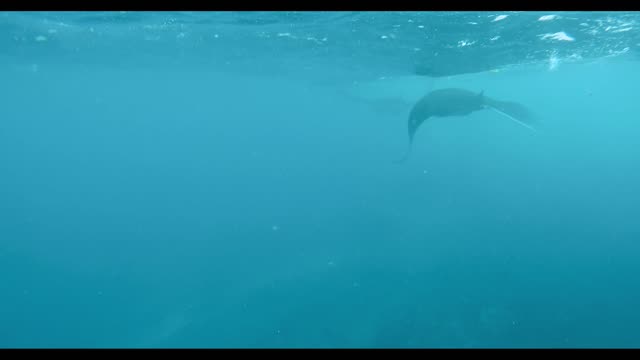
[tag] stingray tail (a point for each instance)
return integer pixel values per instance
(406, 154)
(514, 111)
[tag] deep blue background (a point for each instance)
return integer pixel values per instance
(173, 205)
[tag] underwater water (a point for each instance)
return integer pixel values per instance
(228, 180)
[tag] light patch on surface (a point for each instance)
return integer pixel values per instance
(547, 17)
(574, 57)
(613, 53)
(622, 30)
(554, 61)
(463, 43)
(500, 17)
(495, 38)
(560, 36)
(41, 38)
(316, 40)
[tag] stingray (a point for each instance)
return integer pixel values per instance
(461, 102)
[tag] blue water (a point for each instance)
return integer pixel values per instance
(215, 183)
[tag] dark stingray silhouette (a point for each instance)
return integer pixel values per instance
(461, 102)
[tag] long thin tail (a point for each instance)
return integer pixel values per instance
(513, 111)
(406, 154)
(514, 119)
